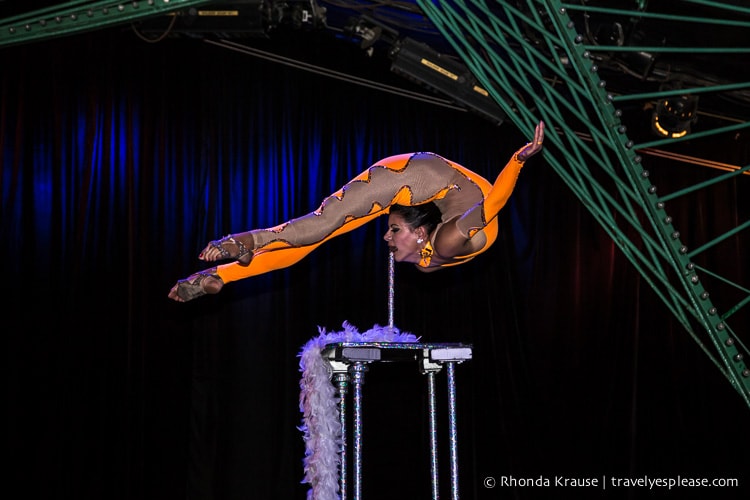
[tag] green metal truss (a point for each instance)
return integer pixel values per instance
(535, 64)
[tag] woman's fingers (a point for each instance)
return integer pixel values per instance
(535, 146)
(539, 133)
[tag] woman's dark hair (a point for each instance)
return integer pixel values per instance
(426, 214)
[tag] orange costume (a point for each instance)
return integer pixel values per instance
(406, 179)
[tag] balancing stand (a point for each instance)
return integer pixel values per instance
(348, 363)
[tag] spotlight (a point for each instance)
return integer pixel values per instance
(674, 116)
(421, 63)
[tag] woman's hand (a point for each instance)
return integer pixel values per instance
(534, 147)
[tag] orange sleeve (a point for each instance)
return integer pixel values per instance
(480, 215)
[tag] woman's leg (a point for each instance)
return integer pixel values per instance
(284, 256)
(409, 179)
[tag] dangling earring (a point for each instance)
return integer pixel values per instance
(420, 240)
(425, 254)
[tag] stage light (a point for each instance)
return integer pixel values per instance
(236, 19)
(419, 62)
(674, 116)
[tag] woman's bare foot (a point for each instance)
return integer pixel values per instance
(239, 247)
(196, 285)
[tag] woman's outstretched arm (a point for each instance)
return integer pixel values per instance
(454, 238)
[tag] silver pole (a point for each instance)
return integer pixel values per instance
(433, 434)
(391, 293)
(453, 428)
(342, 381)
(358, 378)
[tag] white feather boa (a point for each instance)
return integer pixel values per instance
(318, 403)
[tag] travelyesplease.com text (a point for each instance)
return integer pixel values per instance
(611, 481)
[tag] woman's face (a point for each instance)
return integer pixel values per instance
(402, 239)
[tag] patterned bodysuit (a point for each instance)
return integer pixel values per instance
(406, 179)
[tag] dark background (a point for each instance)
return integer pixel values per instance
(120, 159)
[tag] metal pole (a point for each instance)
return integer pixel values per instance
(391, 293)
(433, 434)
(358, 377)
(342, 382)
(451, 367)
